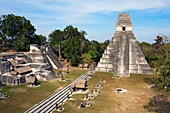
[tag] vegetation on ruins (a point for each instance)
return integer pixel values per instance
(17, 33)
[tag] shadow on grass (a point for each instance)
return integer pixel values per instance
(150, 80)
(158, 104)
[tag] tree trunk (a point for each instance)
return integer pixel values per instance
(59, 51)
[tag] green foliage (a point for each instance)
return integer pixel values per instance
(40, 40)
(95, 56)
(74, 60)
(86, 58)
(55, 38)
(75, 47)
(71, 50)
(18, 33)
(165, 74)
(159, 84)
(158, 56)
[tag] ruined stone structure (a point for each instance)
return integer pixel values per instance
(18, 67)
(123, 56)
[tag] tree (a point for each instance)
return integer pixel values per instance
(75, 47)
(17, 32)
(158, 55)
(2, 42)
(71, 46)
(165, 74)
(40, 40)
(158, 42)
(97, 49)
(91, 56)
(71, 50)
(149, 53)
(71, 32)
(166, 39)
(86, 58)
(55, 39)
(84, 42)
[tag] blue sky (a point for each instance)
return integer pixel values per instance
(97, 17)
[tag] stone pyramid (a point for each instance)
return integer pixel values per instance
(123, 56)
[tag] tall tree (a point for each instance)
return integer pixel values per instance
(18, 30)
(55, 39)
(158, 55)
(84, 42)
(75, 47)
(41, 39)
(71, 46)
(165, 74)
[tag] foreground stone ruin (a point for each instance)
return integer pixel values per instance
(20, 67)
(81, 84)
(123, 56)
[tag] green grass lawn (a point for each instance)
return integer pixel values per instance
(22, 97)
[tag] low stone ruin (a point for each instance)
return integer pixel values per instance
(59, 108)
(32, 80)
(84, 66)
(84, 104)
(34, 48)
(20, 67)
(3, 96)
(79, 85)
(81, 66)
(96, 91)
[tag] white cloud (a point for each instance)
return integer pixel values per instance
(46, 14)
(149, 34)
(76, 11)
(93, 6)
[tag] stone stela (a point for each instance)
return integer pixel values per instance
(123, 56)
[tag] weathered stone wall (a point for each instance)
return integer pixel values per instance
(34, 48)
(36, 57)
(4, 66)
(35, 60)
(12, 80)
(138, 63)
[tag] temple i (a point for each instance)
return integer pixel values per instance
(123, 56)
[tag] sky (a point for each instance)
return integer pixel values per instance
(97, 17)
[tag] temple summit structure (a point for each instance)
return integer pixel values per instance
(123, 56)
